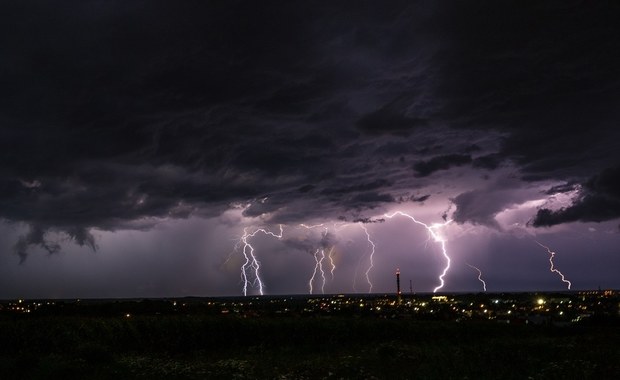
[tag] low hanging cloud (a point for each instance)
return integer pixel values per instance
(36, 237)
(419, 198)
(599, 201)
(310, 243)
(480, 206)
(82, 237)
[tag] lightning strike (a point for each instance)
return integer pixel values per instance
(338, 228)
(438, 239)
(309, 227)
(318, 267)
(552, 268)
(484, 284)
(251, 264)
(372, 254)
(331, 262)
(319, 262)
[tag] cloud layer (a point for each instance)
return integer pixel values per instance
(119, 115)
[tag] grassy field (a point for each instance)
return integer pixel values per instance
(229, 347)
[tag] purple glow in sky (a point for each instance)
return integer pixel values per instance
(139, 140)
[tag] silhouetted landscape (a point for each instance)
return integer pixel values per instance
(448, 336)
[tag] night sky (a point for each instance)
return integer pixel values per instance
(139, 138)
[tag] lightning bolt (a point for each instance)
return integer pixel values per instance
(251, 264)
(372, 254)
(331, 262)
(318, 267)
(309, 227)
(438, 239)
(484, 284)
(319, 262)
(338, 228)
(552, 268)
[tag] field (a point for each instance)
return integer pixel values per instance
(232, 347)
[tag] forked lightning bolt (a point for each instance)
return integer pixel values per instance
(251, 263)
(372, 254)
(552, 268)
(319, 262)
(318, 267)
(484, 284)
(438, 239)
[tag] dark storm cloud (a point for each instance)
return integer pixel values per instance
(124, 112)
(563, 188)
(388, 120)
(490, 161)
(542, 74)
(36, 236)
(368, 220)
(599, 201)
(117, 114)
(426, 168)
(545, 73)
(420, 198)
(82, 237)
(310, 243)
(480, 206)
(303, 245)
(368, 200)
(376, 184)
(306, 188)
(476, 207)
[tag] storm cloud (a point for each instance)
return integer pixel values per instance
(598, 201)
(119, 115)
(426, 168)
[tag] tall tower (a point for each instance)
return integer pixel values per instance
(398, 281)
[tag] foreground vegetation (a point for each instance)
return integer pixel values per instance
(230, 347)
